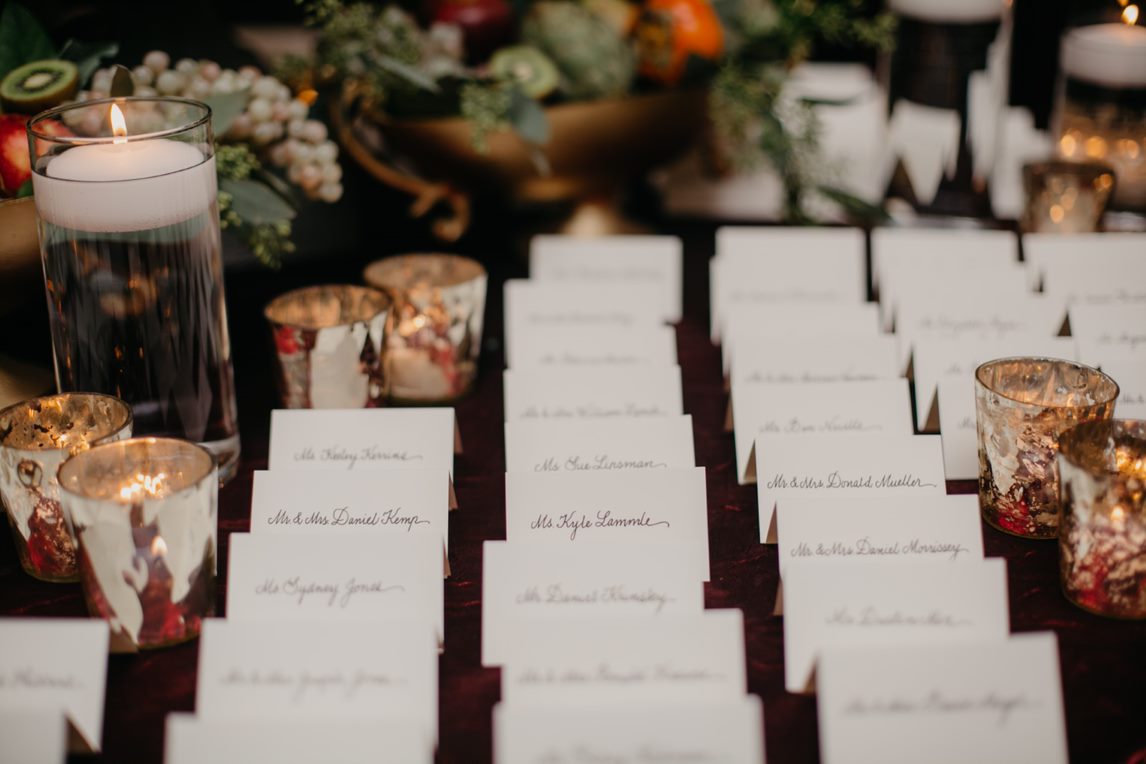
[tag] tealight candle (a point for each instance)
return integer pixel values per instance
(1102, 544)
(1101, 109)
(36, 437)
(435, 330)
(145, 512)
(126, 195)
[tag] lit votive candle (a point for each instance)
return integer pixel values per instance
(436, 326)
(36, 437)
(145, 512)
(1066, 197)
(1101, 112)
(1022, 405)
(328, 345)
(1102, 544)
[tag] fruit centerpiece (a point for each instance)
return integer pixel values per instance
(567, 99)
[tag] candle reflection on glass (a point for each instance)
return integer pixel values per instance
(145, 515)
(1102, 546)
(36, 437)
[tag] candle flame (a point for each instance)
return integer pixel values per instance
(142, 486)
(1130, 15)
(118, 125)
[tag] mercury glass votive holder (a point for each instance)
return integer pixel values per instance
(145, 514)
(1022, 405)
(328, 346)
(1066, 197)
(1102, 541)
(436, 327)
(36, 437)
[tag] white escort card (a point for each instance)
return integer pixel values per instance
(637, 260)
(364, 439)
(936, 359)
(353, 503)
(1130, 374)
(573, 393)
(744, 325)
(596, 348)
(932, 528)
(844, 467)
(34, 736)
(1108, 330)
(881, 406)
(292, 577)
(55, 666)
(831, 604)
(927, 279)
(658, 443)
(730, 733)
(891, 247)
(995, 702)
(523, 584)
(1095, 285)
(957, 424)
(1069, 255)
(318, 670)
(760, 265)
(190, 740)
(694, 660)
(626, 507)
(819, 359)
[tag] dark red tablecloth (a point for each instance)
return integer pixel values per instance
(1103, 662)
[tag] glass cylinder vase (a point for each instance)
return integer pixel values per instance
(125, 194)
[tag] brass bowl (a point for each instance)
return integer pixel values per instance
(594, 148)
(19, 253)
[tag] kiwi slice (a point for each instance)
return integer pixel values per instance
(39, 85)
(534, 71)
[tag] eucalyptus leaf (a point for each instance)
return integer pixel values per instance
(865, 212)
(277, 184)
(22, 39)
(528, 118)
(87, 55)
(122, 85)
(224, 108)
(408, 73)
(25, 189)
(256, 203)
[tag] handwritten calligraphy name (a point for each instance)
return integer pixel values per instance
(597, 462)
(577, 521)
(351, 457)
(301, 590)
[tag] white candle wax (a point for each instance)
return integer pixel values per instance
(1111, 55)
(949, 11)
(130, 186)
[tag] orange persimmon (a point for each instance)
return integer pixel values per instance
(669, 31)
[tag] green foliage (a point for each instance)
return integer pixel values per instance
(594, 60)
(486, 106)
(235, 161)
(22, 39)
(225, 107)
(87, 55)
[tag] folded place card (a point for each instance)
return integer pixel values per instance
(659, 443)
(819, 359)
(694, 659)
(832, 604)
(1108, 330)
(988, 318)
(761, 265)
(191, 740)
(637, 260)
(881, 406)
(292, 577)
(622, 507)
(523, 584)
(890, 247)
(924, 279)
(1096, 285)
(957, 423)
(364, 439)
(1130, 374)
(1068, 255)
(318, 671)
(995, 702)
(745, 325)
(56, 666)
(844, 467)
(392, 502)
(33, 736)
(575, 393)
(922, 529)
(594, 348)
(945, 358)
(730, 733)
